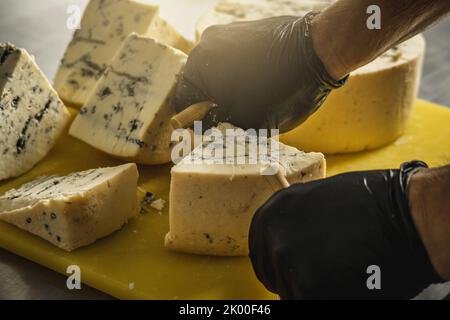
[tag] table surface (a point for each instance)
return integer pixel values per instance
(40, 27)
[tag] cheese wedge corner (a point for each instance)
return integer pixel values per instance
(75, 210)
(32, 117)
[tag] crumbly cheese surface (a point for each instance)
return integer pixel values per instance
(32, 117)
(212, 204)
(74, 210)
(128, 113)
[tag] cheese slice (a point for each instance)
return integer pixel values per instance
(104, 27)
(75, 210)
(32, 117)
(128, 113)
(212, 203)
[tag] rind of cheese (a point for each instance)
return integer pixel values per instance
(228, 11)
(75, 210)
(212, 205)
(371, 110)
(104, 26)
(32, 117)
(128, 113)
(209, 19)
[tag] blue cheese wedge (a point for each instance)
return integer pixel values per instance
(212, 203)
(128, 113)
(74, 210)
(32, 117)
(104, 27)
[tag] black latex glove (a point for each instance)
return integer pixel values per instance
(316, 240)
(261, 74)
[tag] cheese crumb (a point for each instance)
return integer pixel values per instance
(131, 286)
(148, 197)
(158, 204)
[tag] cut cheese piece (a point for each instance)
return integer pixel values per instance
(228, 11)
(32, 117)
(128, 114)
(371, 110)
(212, 204)
(104, 27)
(75, 210)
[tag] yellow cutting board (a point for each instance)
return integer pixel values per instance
(133, 264)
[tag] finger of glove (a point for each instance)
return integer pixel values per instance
(215, 116)
(192, 87)
(294, 110)
(258, 250)
(263, 247)
(187, 94)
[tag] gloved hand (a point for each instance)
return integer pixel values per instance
(261, 74)
(316, 240)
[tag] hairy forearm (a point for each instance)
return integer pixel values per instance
(344, 43)
(429, 191)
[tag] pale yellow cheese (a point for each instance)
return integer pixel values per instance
(211, 18)
(212, 205)
(227, 11)
(75, 210)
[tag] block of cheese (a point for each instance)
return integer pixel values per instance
(104, 27)
(227, 11)
(212, 204)
(32, 117)
(128, 113)
(74, 210)
(371, 110)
